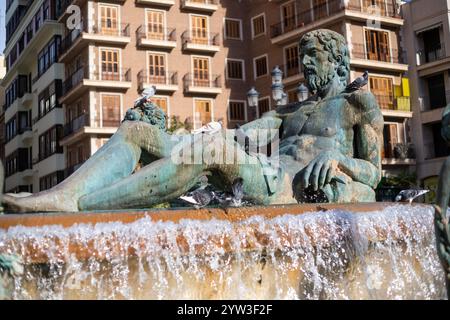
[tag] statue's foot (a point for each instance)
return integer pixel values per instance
(44, 202)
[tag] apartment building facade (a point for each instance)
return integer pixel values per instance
(202, 56)
(427, 37)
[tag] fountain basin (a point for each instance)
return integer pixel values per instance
(364, 251)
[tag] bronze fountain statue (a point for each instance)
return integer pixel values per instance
(329, 149)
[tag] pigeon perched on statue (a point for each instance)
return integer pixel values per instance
(359, 83)
(145, 96)
(237, 194)
(146, 111)
(410, 195)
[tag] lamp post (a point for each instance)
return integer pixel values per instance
(302, 92)
(277, 86)
(253, 97)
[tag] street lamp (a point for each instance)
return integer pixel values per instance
(277, 75)
(253, 97)
(302, 92)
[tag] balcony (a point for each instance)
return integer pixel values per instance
(439, 100)
(164, 81)
(204, 42)
(398, 107)
(207, 84)
(208, 6)
(292, 73)
(162, 3)
(77, 39)
(433, 56)
(83, 80)
(156, 37)
(333, 10)
(26, 134)
(75, 125)
(400, 154)
(68, 171)
(391, 60)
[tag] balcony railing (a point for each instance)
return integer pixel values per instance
(116, 74)
(387, 102)
(434, 53)
(156, 32)
(204, 81)
(76, 124)
(200, 37)
(202, 1)
(116, 30)
(328, 9)
(359, 51)
(158, 77)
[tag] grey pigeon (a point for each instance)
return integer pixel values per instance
(358, 83)
(410, 195)
(235, 199)
(199, 198)
(145, 96)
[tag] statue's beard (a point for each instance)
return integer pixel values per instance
(316, 82)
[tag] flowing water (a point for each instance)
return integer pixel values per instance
(327, 255)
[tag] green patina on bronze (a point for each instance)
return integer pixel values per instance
(441, 223)
(329, 150)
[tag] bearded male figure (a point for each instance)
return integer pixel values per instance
(329, 150)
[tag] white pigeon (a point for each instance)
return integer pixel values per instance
(145, 96)
(410, 195)
(359, 82)
(209, 128)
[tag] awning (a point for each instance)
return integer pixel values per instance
(434, 26)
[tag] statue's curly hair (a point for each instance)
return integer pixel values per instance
(335, 43)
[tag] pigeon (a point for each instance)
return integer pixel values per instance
(410, 195)
(145, 96)
(235, 199)
(209, 128)
(199, 198)
(358, 83)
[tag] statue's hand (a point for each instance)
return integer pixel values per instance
(321, 170)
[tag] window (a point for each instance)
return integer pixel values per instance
(155, 24)
(258, 25)
(109, 20)
(110, 64)
(162, 102)
(288, 14)
(49, 142)
(371, 5)
(48, 55)
(156, 68)
(48, 98)
(291, 56)
(199, 29)
(235, 69)
(260, 65)
(237, 110)
(292, 96)
(320, 9)
(377, 45)
(202, 112)
(233, 29)
(391, 138)
(110, 110)
(51, 180)
(383, 89)
(201, 71)
(264, 106)
(436, 91)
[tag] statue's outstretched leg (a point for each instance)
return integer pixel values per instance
(116, 160)
(165, 180)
